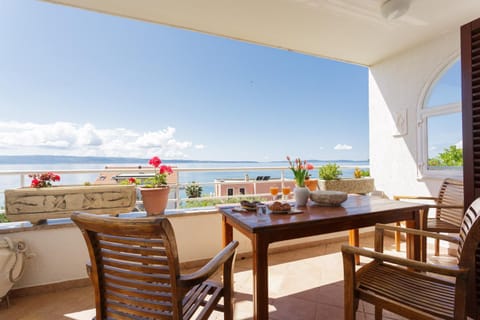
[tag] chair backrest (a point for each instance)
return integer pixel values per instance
(451, 194)
(134, 266)
(469, 255)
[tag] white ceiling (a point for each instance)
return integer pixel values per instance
(346, 30)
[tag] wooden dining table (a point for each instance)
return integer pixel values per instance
(356, 212)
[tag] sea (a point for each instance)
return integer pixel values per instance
(55, 163)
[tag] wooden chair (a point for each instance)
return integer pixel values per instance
(415, 289)
(448, 214)
(136, 275)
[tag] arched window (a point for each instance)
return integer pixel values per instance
(440, 126)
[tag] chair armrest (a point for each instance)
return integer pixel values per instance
(452, 271)
(415, 198)
(192, 279)
(418, 232)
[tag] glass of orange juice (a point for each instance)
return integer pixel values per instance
(273, 192)
(286, 191)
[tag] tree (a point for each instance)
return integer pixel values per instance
(451, 157)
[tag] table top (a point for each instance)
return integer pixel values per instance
(355, 212)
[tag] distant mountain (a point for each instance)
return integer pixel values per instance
(46, 159)
(41, 159)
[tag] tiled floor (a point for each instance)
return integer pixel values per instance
(304, 284)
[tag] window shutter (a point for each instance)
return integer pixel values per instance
(470, 58)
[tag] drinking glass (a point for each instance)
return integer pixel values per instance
(273, 192)
(286, 191)
(261, 212)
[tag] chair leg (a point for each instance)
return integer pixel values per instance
(349, 299)
(378, 313)
(423, 249)
(437, 247)
(228, 302)
(397, 238)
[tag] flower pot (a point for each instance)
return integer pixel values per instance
(301, 196)
(155, 200)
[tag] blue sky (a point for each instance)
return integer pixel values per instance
(81, 83)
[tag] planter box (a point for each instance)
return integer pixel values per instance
(36, 204)
(360, 186)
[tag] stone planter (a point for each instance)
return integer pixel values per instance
(360, 186)
(36, 204)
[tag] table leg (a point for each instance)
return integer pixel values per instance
(260, 278)
(354, 240)
(413, 241)
(227, 232)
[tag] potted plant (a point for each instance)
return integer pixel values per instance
(300, 170)
(155, 190)
(193, 190)
(330, 174)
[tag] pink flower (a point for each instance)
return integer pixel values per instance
(310, 166)
(155, 161)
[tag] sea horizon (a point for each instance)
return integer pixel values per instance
(44, 159)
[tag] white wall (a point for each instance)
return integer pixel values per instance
(397, 84)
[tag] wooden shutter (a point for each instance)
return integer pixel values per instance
(470, 46)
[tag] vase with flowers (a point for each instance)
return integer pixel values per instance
(300, 170)
(155, 190)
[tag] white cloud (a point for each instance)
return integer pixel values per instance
(65, 138)
(459, 144)
(342, 147)
(321, 148)
(199, 146)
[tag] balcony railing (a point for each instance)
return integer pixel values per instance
(184, 177)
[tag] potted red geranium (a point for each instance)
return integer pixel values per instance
(155, 189)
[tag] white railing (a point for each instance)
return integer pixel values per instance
(284, 175)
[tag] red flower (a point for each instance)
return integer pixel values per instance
(35, 183)
(42, 180)
(132, 180)
(310, 166)
(166, 169)
(155, 161)
(159, 177)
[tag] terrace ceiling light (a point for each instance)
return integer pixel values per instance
(393, 9)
